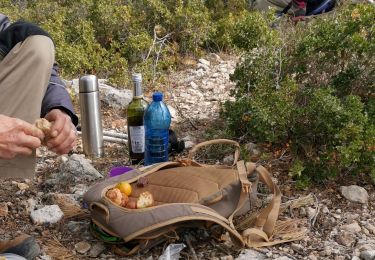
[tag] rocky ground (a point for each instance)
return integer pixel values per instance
(338, 216)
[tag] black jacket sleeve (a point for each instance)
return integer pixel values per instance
(57, 97)
(17, 32)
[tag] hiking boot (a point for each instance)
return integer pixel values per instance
(23, 245)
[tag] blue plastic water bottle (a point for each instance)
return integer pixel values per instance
(157, 120)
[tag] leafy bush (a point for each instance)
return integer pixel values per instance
(113, 37)
(226, 15)
(77, 49)
(310, 86)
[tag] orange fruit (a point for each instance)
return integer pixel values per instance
(124, 187)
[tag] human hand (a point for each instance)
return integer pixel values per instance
(63, 133)
(18, 137)
(298, 19)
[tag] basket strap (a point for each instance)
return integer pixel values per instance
(155, 167)
(266, 219)
(121, 252)
(243, 172)
(241, 202)
(216, 141)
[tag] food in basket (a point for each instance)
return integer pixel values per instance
(115, 196)
(119, 198)
(124, 200)
(124, 187)
(142, 182)
(132, 203)
(145, 200)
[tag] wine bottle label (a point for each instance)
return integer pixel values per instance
(137, 137)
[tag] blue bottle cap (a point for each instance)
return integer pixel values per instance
(157, 96)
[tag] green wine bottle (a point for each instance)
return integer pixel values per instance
(136, 129)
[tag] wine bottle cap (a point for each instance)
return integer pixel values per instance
(137, 77)
(137, 80)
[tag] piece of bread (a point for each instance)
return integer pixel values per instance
(145, 200)
(115, 196)
(44, 125)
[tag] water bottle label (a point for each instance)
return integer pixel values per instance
(137, 137)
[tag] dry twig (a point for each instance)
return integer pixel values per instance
(157, 46)
(218, 246)
(191, 248)
(317, 207)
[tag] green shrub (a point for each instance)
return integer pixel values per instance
(310, 86)
(111, 20)
(111, 38)
(225, 15)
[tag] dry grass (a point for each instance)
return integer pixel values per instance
(74, 212)
(71, 210)
(285, 230)
(56, 250)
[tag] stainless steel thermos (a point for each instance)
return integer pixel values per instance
(91, 119)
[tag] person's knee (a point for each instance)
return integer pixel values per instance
(41, 50)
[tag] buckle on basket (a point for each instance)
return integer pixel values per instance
(242, 173)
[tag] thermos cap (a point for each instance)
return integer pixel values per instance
(157, 96)
(88, 83)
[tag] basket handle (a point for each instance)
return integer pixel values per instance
(100, 209)
(217, 141)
